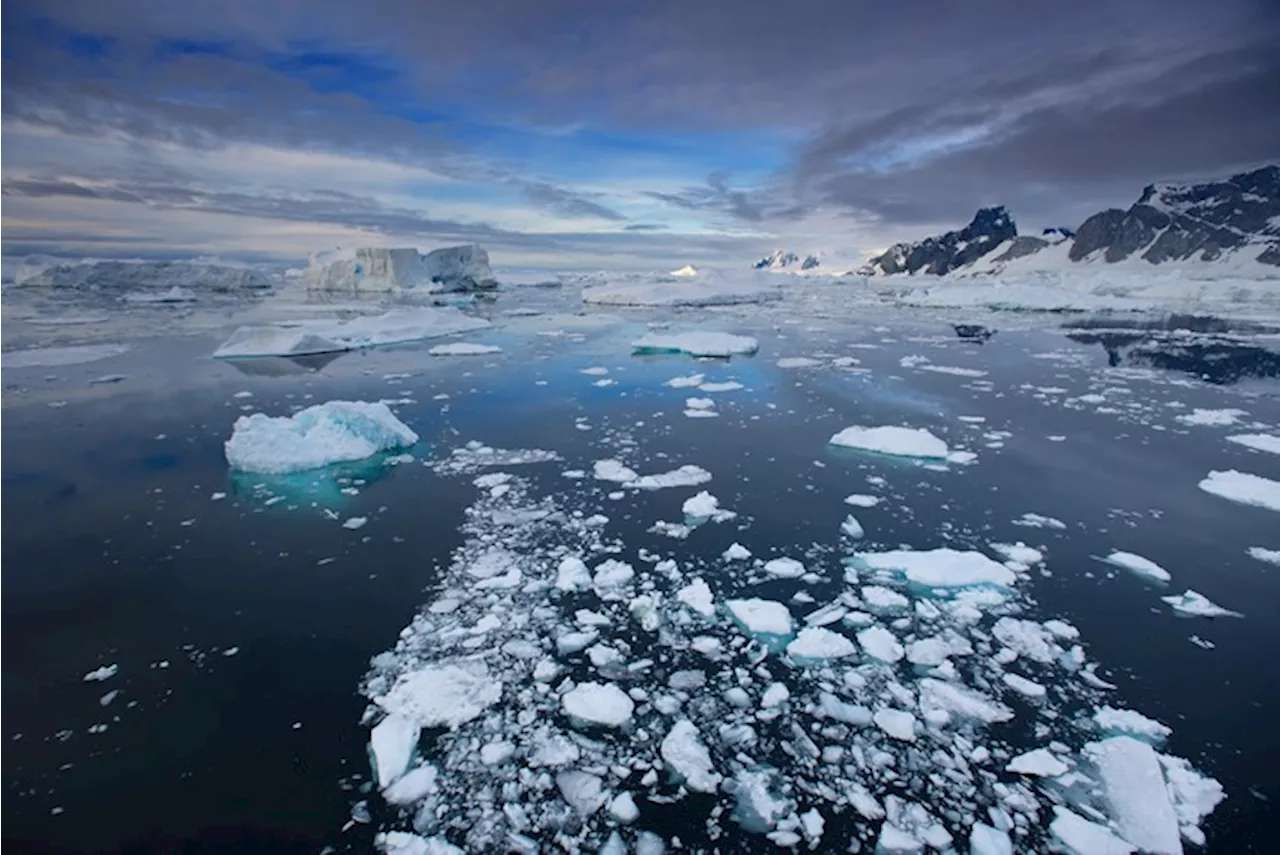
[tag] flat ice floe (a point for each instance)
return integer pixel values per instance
(1212, 418)
(1195, 604)
(53, 357)
(1257, 441)
(326, 336)
(696, 343)
(1138, 565)
(1244, 488)
(899, 442)
(1271, 556)
(463, 348)
(685, 291)
(608, 696)
(318, 436)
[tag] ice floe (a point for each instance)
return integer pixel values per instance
(463, 348)
(1195, 604)
(324, 336)
(696, 343)
(1244, 488)
(1257, 441)
(318, 436)
(1138, 565)
(684, 290)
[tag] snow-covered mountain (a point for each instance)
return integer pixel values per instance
(780, 260)
(1230, 224)
(990, 228)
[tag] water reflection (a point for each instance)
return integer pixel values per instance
(1216, 350)
(282, 366)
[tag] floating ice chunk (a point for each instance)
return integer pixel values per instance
(1257, 441)
(582, 791)
(554, 751)
(413, 786)
(1026, 638)
(941, 568)
(797, 362)
(1018, 552)
(595, 371)
(880, 643)
(897, 723)
(1082, 837)
(275, 341)
(727, 386)
(463, 348)
(328, 433)
(985, 840)
(443, 695)
(614, 470)
(686, 476)
(1039, 521)
(689, 382)
(106, 699)
(701, 414)
(1114, 722)
(1271, 556)
(829, 706)
(405, 843)
(683, 751)
(861, 500)
(623, 808)
(1039, 763)
(696, 343)
(598, 703)
(51, 357)
(1023, 686)
(895, 841)
(765, 617)
(1136, 793)
(784, 568)
(610, 576)
(852, 527)
(881, 599)
(572, 575)
(756, 807)
(496, 753)
(817, 643)
(106, 672)
(697, 596)
(937, 695)
(1243, 488)
(1139, 565)
(775, 695)
(897, 441)
(648, 843)
(1194, 796)
(355, 522)
(1212, 418)
(699, 403)
(705, 506)
(1194, 604)
(736, 552)
(391, 744)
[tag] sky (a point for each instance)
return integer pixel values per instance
(608, 133)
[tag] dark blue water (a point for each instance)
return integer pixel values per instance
(246, 738)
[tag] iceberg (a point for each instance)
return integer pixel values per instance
(1196, 604)
(380, 269)
(696, 343)
(334, 432)
(324, 336)
(940, 568)
(1138, 565)
(150, 276)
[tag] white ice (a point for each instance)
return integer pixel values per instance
(463, 348)
(598, 703)
(697, 596)
(985, 840)
(879, 643)
(1271, 556)
(696, 343)
(765, 617)
(941, 568)
(797, 362)
(324, 336)
(1082, 837)
(1039, 521)
(897, 723)
(443, 695)
(391, 742)
(1139, 565)
(695, 290)
(1118, 722)
(1039, 763)
(817, 643)
(784, 568)
(1019, 553)
(897, 441)
(1212, 418)
(106, 672)
(861, 500)
(327, 433)
(1257, 441)
(1244, 488)
(683, 750)
(1195, 604)
(1136, 793)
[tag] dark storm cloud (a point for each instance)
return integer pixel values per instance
(913, 112)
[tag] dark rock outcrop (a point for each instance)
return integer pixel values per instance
(943, 253)
(1189, 222)
(777, 260)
